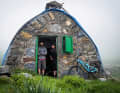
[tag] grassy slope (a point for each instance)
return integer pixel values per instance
(4, 84)
(74, 84)
(68, 84)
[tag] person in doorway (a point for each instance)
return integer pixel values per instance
(53, 58)
(42, 52)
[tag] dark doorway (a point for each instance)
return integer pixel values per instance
(50, 65)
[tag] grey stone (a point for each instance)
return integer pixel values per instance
(102, 79)
(30, 52)
(30, 66)
(56, 28)
(42, 20)
(4, 69)
(27, 75)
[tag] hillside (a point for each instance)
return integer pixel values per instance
(114, 69)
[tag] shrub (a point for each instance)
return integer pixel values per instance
(104, 87)
(21, 84)
(72, 81)
(68, 84)
(4, 84)
(29, 86)
(72, 84)
(17, 80)
(75, 81)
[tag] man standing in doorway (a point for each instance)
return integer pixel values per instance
(42, 52)
(53, 57)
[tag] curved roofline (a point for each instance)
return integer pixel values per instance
(62, 11)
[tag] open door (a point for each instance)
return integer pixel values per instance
(48, 42)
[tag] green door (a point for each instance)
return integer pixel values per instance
(36, 56)
(68, 44)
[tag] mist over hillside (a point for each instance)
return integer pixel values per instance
(112, 64)
(113, 67)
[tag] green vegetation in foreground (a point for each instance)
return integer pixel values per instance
(4, 84)
(18, 83)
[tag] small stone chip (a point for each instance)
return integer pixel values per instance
(35, 23)
(26, 35)
(37, 26)
(64, 57)
(45, 30)
(51, 15)
(68, 22)
(64, 31)
(65, 62)
(85, 39)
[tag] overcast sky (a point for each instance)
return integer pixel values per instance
(100, 19)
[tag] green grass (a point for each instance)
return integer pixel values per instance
(109, 86)
(4, 84)
(68, 84)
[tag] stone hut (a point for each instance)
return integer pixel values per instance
(53, 26)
